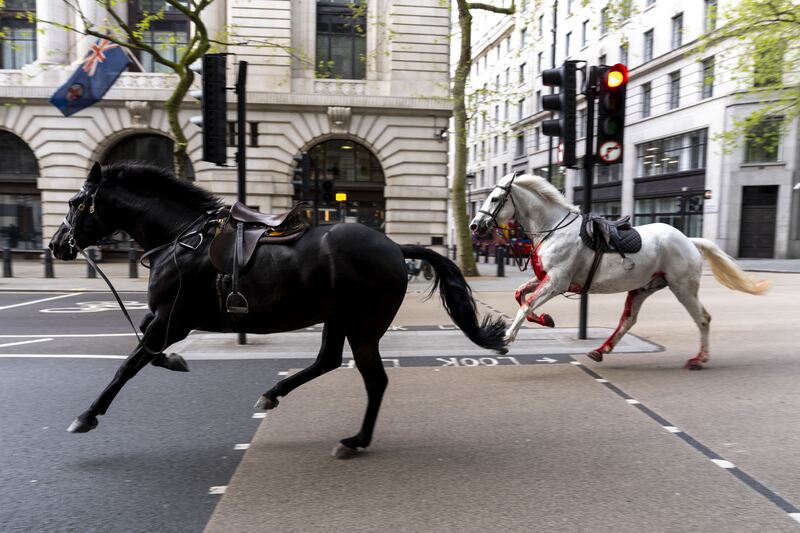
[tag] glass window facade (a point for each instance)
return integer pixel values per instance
(672, 154)
(684, 212)
(17, 34)
(762, 141)
(20, 203)
(167, 36)
(342, 40)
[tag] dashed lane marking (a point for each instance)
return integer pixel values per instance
(259, 415)
(58, 356)
(219, 489)
(244, 446)
(791, 510)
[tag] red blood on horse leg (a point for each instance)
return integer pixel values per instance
(610, 342)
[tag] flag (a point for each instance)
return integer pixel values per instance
(98, 72)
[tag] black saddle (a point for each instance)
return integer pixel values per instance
(604, 236)
(242, 231)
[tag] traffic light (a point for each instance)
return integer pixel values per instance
(213, 97)
(611, 113)
(302, 174)
(564, 102)
(328, 191)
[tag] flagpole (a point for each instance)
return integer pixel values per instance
(133, 58)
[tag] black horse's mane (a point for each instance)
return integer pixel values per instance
(160, 182)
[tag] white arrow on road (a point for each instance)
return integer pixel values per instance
(546, 360)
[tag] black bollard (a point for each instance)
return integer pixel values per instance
(455, 252)
(501, 265)
(477, 255)
(7, 270)
(90, 272)
(48, 264)
(486, 255)
(133, 263)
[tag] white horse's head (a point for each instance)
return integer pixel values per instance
(496, 210)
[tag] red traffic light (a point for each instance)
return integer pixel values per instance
(616, 76)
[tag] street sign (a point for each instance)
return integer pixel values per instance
(610, 152)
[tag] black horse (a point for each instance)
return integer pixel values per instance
(349, 277)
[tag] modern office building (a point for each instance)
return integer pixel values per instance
(674, 168)
(362, 86)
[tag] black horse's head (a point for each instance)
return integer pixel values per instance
(82, 226)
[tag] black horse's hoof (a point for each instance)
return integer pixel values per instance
(265, 404)
(172, 362)
(547, 321)
(694, 366)
(502, 351)
(596, 356)
(344, 452)
(83, 424)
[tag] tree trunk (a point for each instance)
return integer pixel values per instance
(173, 109)
(466, 256)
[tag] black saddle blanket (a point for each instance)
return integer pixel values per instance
(604, 235)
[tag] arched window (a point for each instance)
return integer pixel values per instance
(349, 168)
(150, 148)
(20, 202)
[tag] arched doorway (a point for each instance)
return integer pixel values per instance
(20, 201)
(351, 169)
(151, 148)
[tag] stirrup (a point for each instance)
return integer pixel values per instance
(236, 303)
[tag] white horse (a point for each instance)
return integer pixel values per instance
(562, 263)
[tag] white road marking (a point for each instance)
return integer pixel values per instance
(632, 401)
(601, 380)
(576, 363)
(672, 429)
(25, 342)
(723, 463)
(59, 356)
(795, 517)
(242, 446)
(220, 489)
(284, 373)
(259, 415)
(3, 308)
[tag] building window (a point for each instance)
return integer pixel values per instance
(505, 143)
(649, 3)
(541, 26)
(762, 141)
(569, 7)
(508, 44)
(648, 45)
(567, 41)
(521, 113)
(522, 73)
(166, 35)
(539, 57)
(17, 34)
(341, 40)
(647, 99)
(677, 31)
(684, 212)
(602, 59)
(707, 82)
(536, 139)
(20, 202)
(768, 63)
(608, 173)
(710, 20)
(508, 76)
(677, 153)
(496, 143)
(675, 89)
(520, 151)
(608, 210)
(580, 124)
(623, 54)
(523, 37)
(494, 174)
(497, 82)
(584, 32)
(538, 102)
(604, 21)
(505, 110)
(505, 169)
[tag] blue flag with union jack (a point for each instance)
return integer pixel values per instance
(98, 72)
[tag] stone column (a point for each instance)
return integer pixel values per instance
(51, 45)
(214, 17)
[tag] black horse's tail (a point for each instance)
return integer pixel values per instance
(457, 299)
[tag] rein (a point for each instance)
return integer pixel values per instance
(72, 226)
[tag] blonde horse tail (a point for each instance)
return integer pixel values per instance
(727, 271)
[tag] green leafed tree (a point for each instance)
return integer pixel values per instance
(759, 42)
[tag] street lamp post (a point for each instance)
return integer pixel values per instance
(470, 181)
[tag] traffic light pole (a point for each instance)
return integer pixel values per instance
(241, 144)
(588, 174)
(316, 196)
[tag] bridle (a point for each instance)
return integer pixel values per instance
(80, 210)
(506, 196)
(523, 265)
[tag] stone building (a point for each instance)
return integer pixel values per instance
(365, 91)
(674, 168)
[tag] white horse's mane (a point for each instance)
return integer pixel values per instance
(545, 189)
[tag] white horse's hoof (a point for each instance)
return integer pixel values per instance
(595, 355)
(82, 426)
(265, 404)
